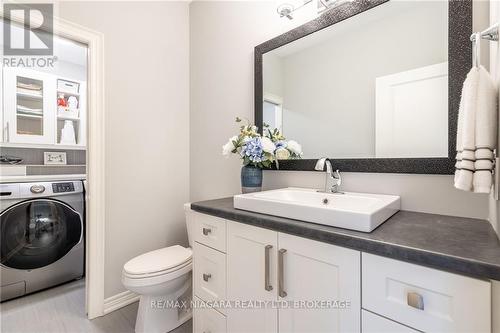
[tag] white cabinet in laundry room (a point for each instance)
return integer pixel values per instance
(29, 106)
(40, 108)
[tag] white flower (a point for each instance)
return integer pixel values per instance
(229, 146)
(294, 147)
(267, 145)
(282, 154)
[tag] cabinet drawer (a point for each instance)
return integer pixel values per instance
(372, 323)
(424, 298)
(206, 320)
(210, 231)
(209, 273)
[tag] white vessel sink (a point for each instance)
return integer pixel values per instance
(354, 211)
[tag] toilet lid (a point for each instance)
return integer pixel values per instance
(158, 260)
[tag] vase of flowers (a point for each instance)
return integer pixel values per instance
(259, 152)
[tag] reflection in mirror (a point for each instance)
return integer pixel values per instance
(374, 85)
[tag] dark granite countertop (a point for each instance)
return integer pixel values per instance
(455, 244)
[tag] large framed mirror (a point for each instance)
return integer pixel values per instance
(374, 85)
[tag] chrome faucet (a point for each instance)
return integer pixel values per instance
(333, 179)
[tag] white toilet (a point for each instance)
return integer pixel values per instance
(162, 278)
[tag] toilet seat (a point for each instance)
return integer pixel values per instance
(158, 261)
(158, 266)
(131, 281)
(171, 271)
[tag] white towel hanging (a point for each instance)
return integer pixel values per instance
(477, 132)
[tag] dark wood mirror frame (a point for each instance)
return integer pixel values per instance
(459, 62)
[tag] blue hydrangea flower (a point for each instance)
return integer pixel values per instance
(253, 150)
(280, 144)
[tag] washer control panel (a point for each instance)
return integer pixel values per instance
(63, 187)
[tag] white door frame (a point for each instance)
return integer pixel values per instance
(95, 204)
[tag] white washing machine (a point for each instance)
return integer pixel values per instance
(41, 237)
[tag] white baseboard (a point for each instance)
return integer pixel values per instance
(119, 301)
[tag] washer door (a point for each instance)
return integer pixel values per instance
(36, 233)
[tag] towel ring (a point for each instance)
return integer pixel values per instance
(491, 34)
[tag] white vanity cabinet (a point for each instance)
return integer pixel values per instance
(295, 284)
(300, 285)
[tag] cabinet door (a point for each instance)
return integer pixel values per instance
(318, 272)
(251, 276)
(29, 106)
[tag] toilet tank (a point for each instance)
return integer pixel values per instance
(190, 216)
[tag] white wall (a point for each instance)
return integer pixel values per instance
(147, 129)
(223, 35)
(272, 67)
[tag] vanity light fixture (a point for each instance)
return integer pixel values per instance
(286, 10)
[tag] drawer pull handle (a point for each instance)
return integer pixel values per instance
(415, 300)
(267, 284)
(281, 280)
(206, 277)
(206, 231)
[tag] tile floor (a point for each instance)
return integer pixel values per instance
(62, 310)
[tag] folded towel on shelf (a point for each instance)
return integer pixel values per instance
(29, 91)
(477, 132)
(25, 109)
(29, 86)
